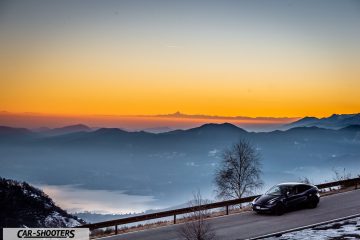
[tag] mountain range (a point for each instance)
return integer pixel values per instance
(335, 121)
(169, 166)
(63, 130)
(151, 123)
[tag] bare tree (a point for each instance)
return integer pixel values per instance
(197, 228)
(305, 180)
(339, 176)
(239, 172)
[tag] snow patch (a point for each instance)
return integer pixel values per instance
(55, 219)
(347, 229)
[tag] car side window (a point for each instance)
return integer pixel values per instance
(291, 191)
(302, 188)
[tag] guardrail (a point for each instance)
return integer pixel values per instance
(114, 223)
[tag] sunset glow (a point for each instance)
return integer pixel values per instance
(229, 59)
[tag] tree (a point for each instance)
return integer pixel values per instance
(239, 172)
(196, 228)
(305, 180)
(340, 176)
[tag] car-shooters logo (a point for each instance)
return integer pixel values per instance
(46, 233)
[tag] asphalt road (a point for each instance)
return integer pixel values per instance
(248, 224)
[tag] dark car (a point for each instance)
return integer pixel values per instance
(287, 196)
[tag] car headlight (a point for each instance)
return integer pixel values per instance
(272, 201)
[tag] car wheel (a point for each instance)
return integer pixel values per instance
(279, 209)
(313, 202)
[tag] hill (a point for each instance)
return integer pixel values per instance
(64, 130)
(335, 121)
(25, 206)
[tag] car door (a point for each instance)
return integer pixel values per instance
(298, 195)
(295, 196)
(291, 196)
(303, 193)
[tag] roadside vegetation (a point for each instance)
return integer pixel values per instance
(239, 173)
(196, 228)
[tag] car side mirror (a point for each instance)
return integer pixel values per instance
(287, 194)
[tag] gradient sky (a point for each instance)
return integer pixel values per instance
(249, 58)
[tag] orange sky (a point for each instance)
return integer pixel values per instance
(137, 63)
(194, 83)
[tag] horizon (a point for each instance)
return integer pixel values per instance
(151, 123)
(172, 121)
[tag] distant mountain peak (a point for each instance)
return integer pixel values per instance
(109, 130)
(219, 126)
(302, 128)
(177, 114)
(335, 121)
(79, 126)
(225, 124)
(157, 129)
(65, 130)
(309, 118)
(4, 130)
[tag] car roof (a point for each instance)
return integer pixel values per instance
(292, 184)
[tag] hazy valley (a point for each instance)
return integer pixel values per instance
(109, 170)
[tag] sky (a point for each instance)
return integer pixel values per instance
(227, 58)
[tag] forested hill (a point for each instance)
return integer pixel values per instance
(23, 205)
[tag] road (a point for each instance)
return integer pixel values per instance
(248, 224)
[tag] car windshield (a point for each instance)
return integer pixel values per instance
(277, 190)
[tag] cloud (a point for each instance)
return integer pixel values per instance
(191, 164)
(213, 153)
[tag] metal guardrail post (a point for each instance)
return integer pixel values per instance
(227, 209)
(174, 218)
(116, 229)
